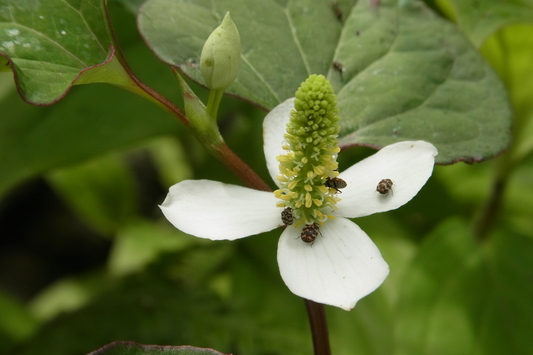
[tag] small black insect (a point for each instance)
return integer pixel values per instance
(336, 10)
(338, 66)
(286, 216)
(335, 183)
(310, 232)
(384, 186)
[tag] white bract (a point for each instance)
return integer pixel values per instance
(343, 264)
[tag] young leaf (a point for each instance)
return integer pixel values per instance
(400, 72)
(52, 45)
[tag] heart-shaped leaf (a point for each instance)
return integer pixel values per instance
(51, 45)
(400, 72)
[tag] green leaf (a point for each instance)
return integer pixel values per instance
(510, 51)
(170, 158)
(151, 308)
(273, 63)
(103, 191)
(178, 300)
(132, 348)
(400, 71)
(460, 297)
(423, 81)
(481, 18)
(17, 323)
(142, 242)
(131, 5)
(36, 139)
(68, 294)
(52, 44)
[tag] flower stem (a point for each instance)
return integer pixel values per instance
(319, 327)
(489, 214)
(213, 102)
(248, 176)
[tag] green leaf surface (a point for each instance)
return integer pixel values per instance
(68, 295)
(463, 298)
(170, 158)
(400, 72)
(510, 52)
(102, 191)
(132, 348)
(53, 44)
(141, 243)
(17, 323)
(481, 18)
(150, 308)
(36, 139)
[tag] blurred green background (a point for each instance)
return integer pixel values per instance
(86, 257)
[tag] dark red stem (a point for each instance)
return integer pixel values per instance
(319, 327)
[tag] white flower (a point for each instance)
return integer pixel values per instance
(343, 264)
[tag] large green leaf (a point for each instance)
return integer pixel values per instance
(460, 297)
(481, 18)
(401, 72)
(53, 44)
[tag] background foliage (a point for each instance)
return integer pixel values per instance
(87, 259)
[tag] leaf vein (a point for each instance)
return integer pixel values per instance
(297, 41)
(261, 78)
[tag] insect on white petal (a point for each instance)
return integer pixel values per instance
(310, 232)
(286, 216)
(384, 186)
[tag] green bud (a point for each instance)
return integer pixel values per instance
(221, 55)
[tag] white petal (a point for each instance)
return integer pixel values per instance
(339, 268)
(213, 210)
(408, 164)
(274, 129)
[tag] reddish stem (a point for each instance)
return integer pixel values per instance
(248, 176)
(319, 327)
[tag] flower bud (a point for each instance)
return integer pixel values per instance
(221, 55)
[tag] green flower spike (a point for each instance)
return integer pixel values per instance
(311, 159)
